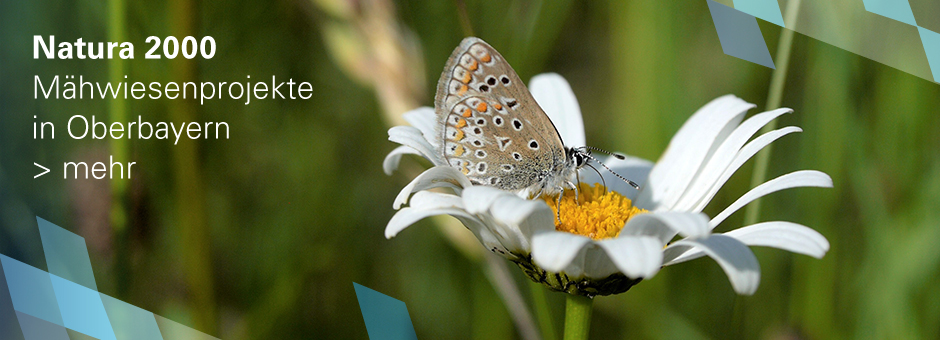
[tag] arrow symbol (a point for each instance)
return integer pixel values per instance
(41, 167)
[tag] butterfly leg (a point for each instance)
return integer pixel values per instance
(558, 205)
(575, 187)
(539, 194)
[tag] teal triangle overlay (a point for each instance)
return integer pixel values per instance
(739, 34)
(66, 254)
(49, 306)
(768, 10)
(82, 309)
(931, 41)
(34, 328)
(386, 318)
(31, 290)
(899, 10)
(130, 322)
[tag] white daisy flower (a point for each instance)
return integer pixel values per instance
(615, 236)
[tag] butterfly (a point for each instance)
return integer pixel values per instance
(493, 131)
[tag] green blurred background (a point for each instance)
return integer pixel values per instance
(262, 235)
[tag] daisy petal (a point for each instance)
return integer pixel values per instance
(489, 240)
(552, 92)
(734, 257)
(411, 136)
(689, 148)
(803, 178)
(748, 151)
(554, 250)
(439, 176)
(435, 200)
(408, 216)
(478, 199)
(530, 216)
(724, 156)
(636, 256)
(665, 225)
(424, 119)
(596, 265)
(779, 234)
(391, 161)
(788, 236)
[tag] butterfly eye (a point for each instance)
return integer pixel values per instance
(578, 159)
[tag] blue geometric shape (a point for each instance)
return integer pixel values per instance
(9, 325)
(739, 34)
(385, 316)
(899, 10)
(130, 322)
(31, 290)
(66, 254)
(38, 329)
(769, 10)
(82, 309)
(931, 42)
(174, 330)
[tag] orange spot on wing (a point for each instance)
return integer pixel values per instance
(463, 89)
(498, 106)
(486, 58)
(466, 78)
(467, 113)
(458, 136)
(459, 151)
(461, 123)
(481, 107)
(474, 65)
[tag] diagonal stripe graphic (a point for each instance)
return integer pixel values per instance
(768, 10)
(899, 10)
(46, 305)
(38, 329)
(739, 34)
(9, 324)
(130, 322)
(66, 254)
(386, 318)
(173, 330)
(31, 290)
(931, 41)
(82, 309)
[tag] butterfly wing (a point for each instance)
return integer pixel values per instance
(491, 128)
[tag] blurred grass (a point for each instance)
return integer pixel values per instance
(294, 204)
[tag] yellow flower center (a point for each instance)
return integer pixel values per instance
(598, 213)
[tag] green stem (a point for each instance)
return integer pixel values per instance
(542, 312)
(774, 97)
(464, 18)
(577, 316)
(195, 236)
(117, 111)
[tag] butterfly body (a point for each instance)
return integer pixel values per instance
(492, 129)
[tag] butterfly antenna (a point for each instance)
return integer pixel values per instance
(616, 155)
(631, 183)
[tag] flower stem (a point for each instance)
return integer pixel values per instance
(774, 97)
(577, 316)
(542, 313)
